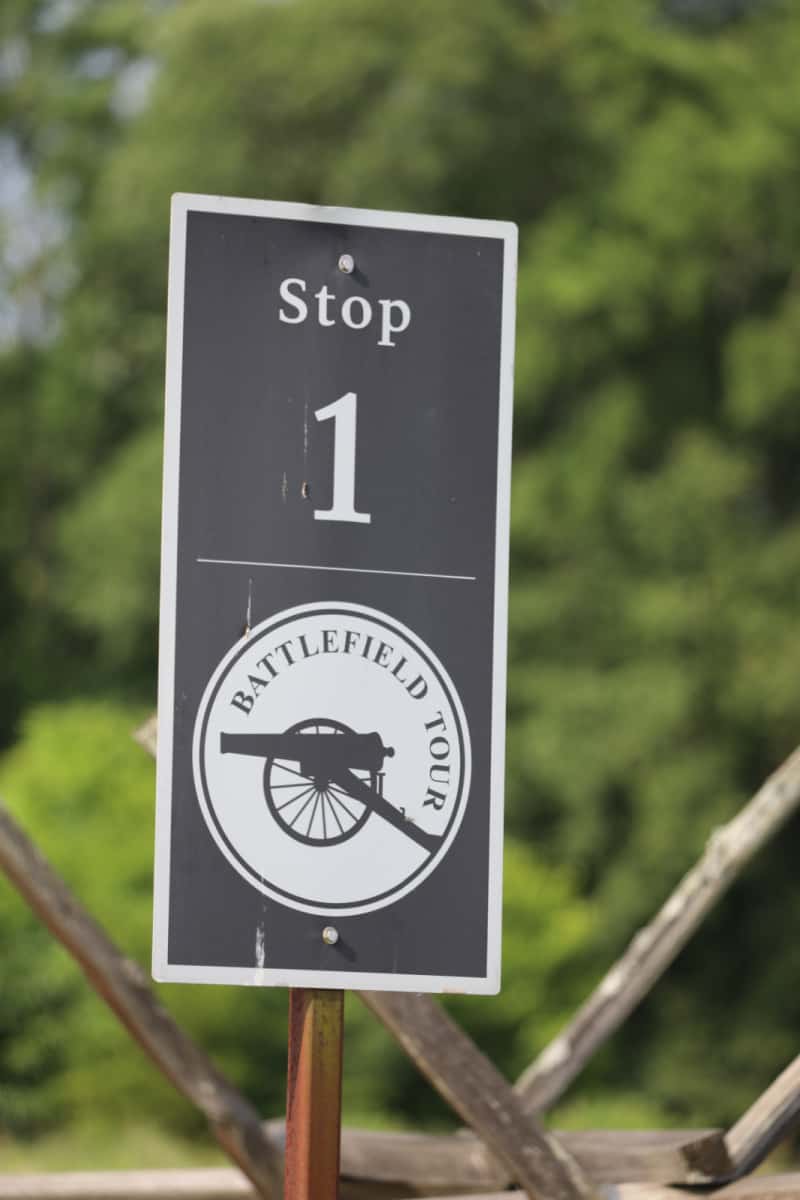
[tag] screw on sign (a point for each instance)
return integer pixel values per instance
(333, 617)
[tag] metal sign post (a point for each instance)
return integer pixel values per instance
(314, 1093)
(333, 614)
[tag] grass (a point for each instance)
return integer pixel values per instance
(89, 1147)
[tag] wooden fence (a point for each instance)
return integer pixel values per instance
(505, 1149)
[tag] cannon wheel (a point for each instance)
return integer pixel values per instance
(314, 811)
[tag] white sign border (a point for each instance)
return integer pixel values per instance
(505, 231)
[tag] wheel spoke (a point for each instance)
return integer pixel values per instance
(328, 799)
(313, 815)
(302, 810)
(337, 798)
(340, 792)
(294, 799)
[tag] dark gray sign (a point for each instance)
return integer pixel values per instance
(334, 593)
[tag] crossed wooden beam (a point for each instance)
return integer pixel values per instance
(508, 1145)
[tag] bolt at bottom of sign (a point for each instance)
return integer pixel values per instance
(330, 935)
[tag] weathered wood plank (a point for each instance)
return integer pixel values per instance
(219, 1183)
(767, 1122)
(416, 1163)
(656, 1156)
(122, 984)
(757, 1187)
(208, 1183)
(427, 1163)
(373, 1164)
(226, 1183)
(654, 947)
(476, 1090)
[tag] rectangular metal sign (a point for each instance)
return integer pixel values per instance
(334, 596)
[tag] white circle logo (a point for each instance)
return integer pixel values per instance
(331, 759)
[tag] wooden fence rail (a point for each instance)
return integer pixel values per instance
(767, 1122)
(425, 1164)
(375, 1165)
(477, 1091)
(225, 1183)
(657, 944)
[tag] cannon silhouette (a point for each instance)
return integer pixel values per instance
(334, 786)
(317, 754)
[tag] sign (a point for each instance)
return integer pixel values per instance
(334, 595)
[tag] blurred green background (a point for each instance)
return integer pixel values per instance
(650, 152)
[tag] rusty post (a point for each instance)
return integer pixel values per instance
(314, 1094)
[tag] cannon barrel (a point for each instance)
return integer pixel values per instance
(317, 753)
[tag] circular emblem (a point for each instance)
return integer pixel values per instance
(331, 759)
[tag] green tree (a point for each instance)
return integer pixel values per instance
(68, 75)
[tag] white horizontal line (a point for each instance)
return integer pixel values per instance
(243, 562)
